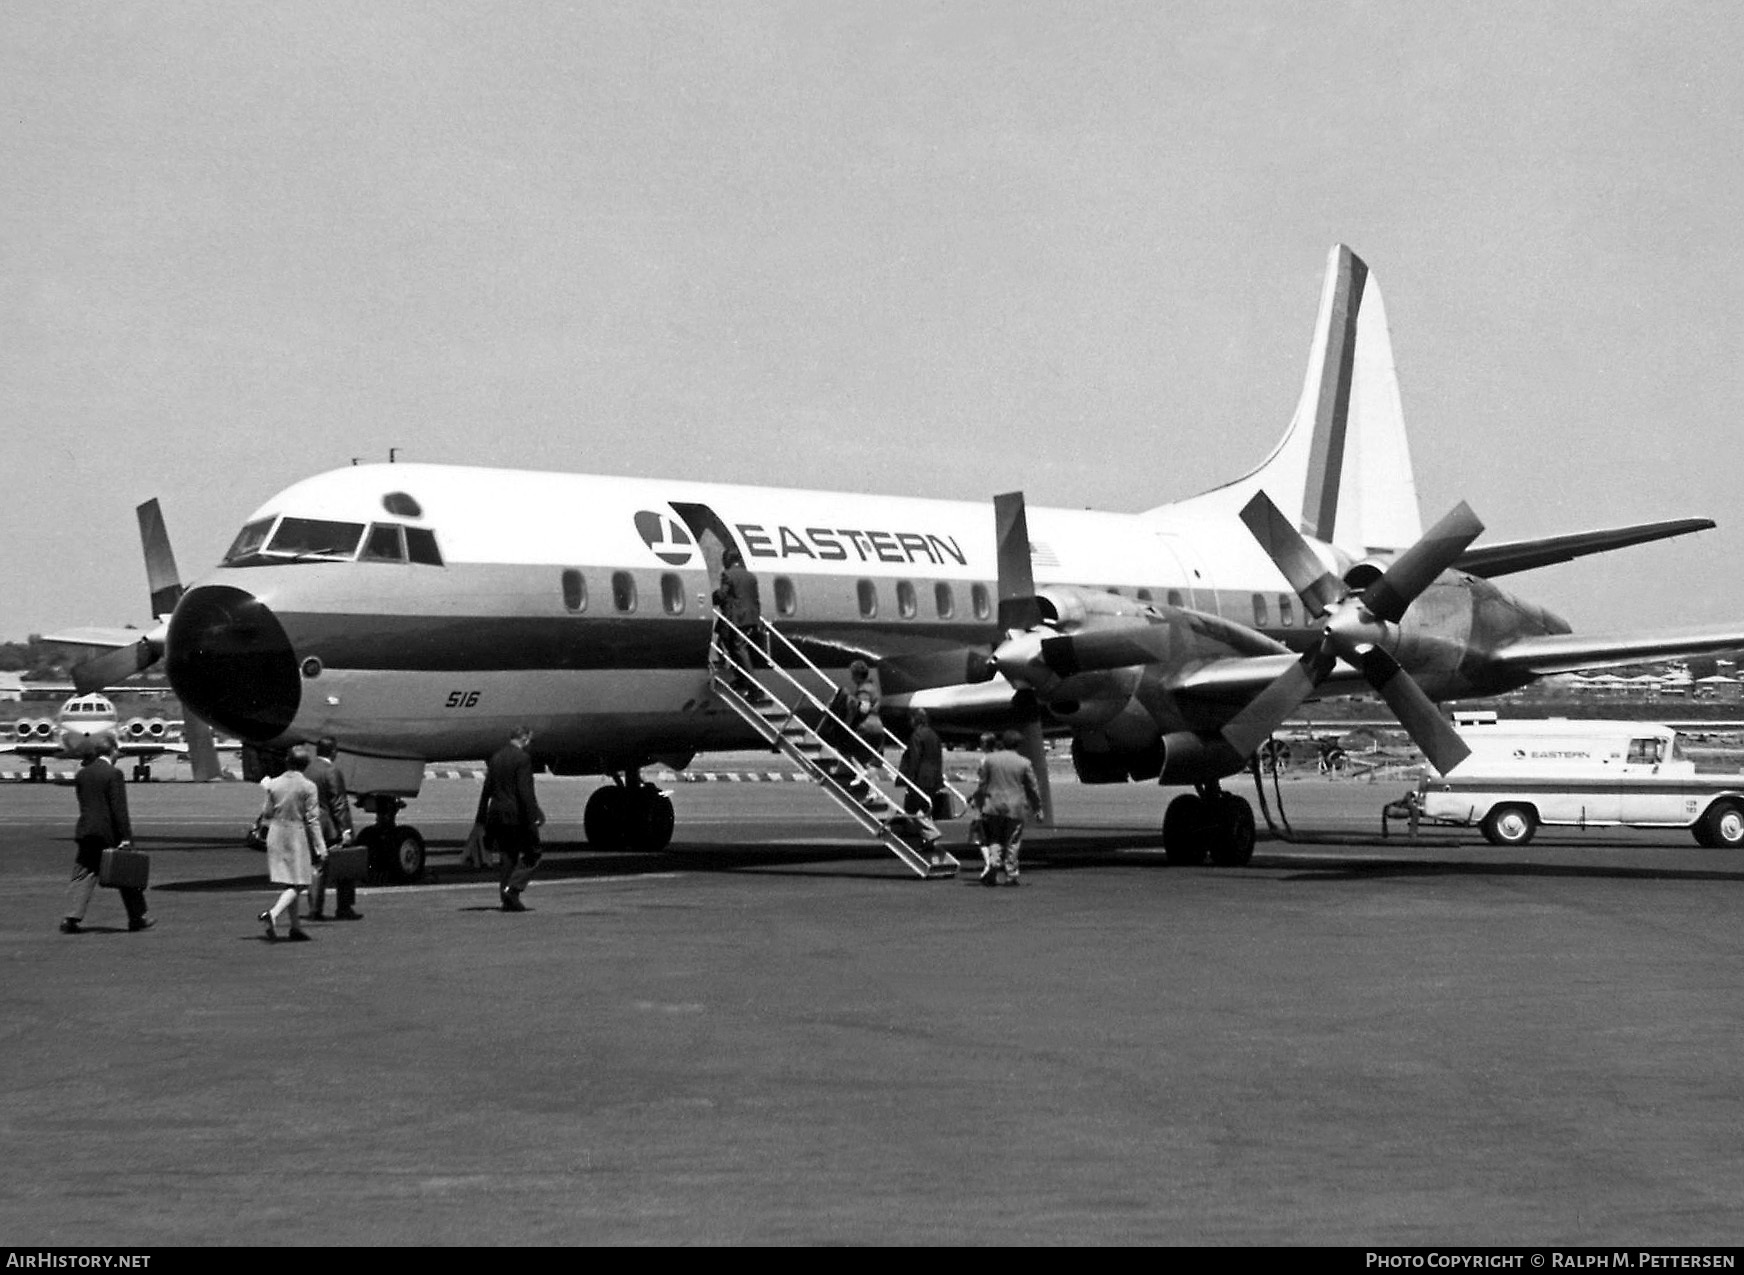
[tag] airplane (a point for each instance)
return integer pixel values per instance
(418, 612)
(88, 721)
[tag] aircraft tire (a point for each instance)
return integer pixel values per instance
(1510, 824)
(1232, 846)
(606, 821)
(406, 855)
(1722, 826)
(654, 820)
(1184, 830)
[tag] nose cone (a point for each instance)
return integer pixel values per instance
(232, 664)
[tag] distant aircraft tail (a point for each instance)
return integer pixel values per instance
(1342, 472)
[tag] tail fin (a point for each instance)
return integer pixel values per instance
(1342, 471)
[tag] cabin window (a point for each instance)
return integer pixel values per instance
(980, 602)
(316, 538)
(421, 547)
(1143, 595)
(671, 594)
(623, 591)
(868, 594)
(906, 605)
(1261, 619)
(249, 540)
(574, 590)
(1175, 598)
(944, 601)
(384, 544)
(398, 502)
(1286, 612)
(786, 600)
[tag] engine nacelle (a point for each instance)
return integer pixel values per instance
(156, 727)
(134, 728)
(1192, 758)
(1115, 767)
(42, 728)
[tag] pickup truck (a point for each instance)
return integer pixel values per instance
(1579, 774)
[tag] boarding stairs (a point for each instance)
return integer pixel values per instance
(788, 715)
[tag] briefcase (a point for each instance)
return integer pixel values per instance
(348, 864)
(124, 869)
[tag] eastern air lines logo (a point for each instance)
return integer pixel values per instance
(666, 536)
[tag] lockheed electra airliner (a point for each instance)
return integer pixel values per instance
(417, 613)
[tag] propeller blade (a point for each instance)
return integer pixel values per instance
(1097, 649)
(1415, 569)
(161, 575)
(1038, 758)
(1428, 729)
(202, 751)
(1018, 609)
(1283, 544)
(115, 666)
(1251, 727)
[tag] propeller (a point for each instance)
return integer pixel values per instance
(165, 583)
(1355, 627)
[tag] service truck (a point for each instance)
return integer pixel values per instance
(1580, 774)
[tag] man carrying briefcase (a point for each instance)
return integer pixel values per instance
(103, 825)
(342, 866)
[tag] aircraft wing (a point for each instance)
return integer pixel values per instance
(1572, 652)
(100, 638)
(1524, 555)
(1239, 679)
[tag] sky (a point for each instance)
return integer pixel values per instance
(932, 249)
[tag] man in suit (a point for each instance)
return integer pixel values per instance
(103, 823)
(1007, 792)
(741, 602)
(336, 831)
(510, 816)
(923, 765)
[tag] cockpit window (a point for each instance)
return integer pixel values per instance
(384, 544)
(249, 540)
(421, 546)
(315, 538)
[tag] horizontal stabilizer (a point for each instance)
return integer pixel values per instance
(1572, 652)
(1524, 555)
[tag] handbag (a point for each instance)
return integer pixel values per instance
(124, 869)
(255, 837)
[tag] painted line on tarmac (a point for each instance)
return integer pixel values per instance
(386, 891)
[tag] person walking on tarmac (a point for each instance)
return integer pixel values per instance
(336, 830)
(103, 823)
(293, 839)
(510, 815)
(1006, 793)
(742, 604)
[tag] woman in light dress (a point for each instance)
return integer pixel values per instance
(293, 840)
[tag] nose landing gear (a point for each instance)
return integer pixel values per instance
(629, 814)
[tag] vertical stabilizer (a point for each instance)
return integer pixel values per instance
(1342, 471)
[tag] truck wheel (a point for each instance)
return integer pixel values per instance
(1510, 825)
(1722, 826)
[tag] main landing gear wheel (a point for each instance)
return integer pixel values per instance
(396, 851)
(634, 816)
(1216, 825)
(1722, 827)
(1510, 825)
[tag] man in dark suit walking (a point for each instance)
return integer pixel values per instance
(336, 831)
(511, 817)
(103, 823)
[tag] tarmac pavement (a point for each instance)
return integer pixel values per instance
(773, 1035)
